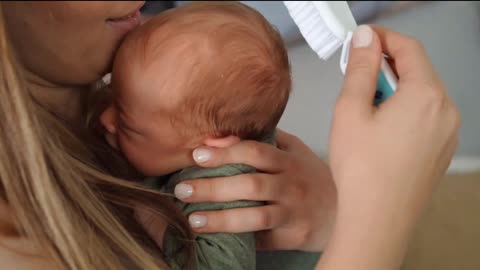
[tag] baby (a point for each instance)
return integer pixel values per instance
(204, 74)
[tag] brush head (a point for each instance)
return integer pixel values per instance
(323, 24)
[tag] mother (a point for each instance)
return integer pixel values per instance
(60, 208)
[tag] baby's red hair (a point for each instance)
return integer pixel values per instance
(241, 85)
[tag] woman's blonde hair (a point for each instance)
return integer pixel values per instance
(61, 196)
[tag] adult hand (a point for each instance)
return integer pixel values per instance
(402, 148)
(295, 183)
(386, 160)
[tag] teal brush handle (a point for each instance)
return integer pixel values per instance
(386, 84)
(387, 81)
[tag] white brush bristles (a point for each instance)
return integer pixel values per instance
(313, 28)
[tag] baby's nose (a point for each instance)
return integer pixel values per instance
(107, 119)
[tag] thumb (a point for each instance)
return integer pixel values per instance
(361, 76)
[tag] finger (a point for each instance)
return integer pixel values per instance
(285, 140)
(251, 187)
(362, 72)
(239, 220)
(264, 157)
(410, 58)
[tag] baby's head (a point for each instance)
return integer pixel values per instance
(201, 74)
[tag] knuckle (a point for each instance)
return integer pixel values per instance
(296, 242)
(297, 192)
(414, 44)
(216, 221)
(362, 65)
(221, 156)
(433, 97)
(305, 235)
(302, 237)
(291, 167)
(456, 118)
(211, 189)
(295, 139)
(278, 188)
(265, 220)
(291, 142)
(253, 150)
(254, 184)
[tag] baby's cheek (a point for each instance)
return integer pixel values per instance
(141, 156)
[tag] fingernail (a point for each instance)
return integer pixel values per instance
(183, 191)
(197, 221)
(201, 155)
(362, 37)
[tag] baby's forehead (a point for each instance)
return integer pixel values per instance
(167, 74)
(164, 67)
(157, 89)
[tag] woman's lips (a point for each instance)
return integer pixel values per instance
(127, 22)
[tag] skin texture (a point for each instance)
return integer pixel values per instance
(381, 183)
(194, 76)
(138, 121)
(59, 64)
(94, 41)
(62, 47)
(387, 188)
(59, 69)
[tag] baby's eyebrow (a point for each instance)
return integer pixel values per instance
(124, 124)
(123, 120)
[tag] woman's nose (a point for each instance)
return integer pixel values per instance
(108, 121)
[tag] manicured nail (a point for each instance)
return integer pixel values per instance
(201, 155)
(197, 221)
(183, 191)
(362, 37)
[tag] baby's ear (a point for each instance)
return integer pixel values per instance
(221, 142)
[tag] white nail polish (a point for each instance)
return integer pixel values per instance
(197, 221)
(201, 155)
(362, 37)
(183, 191)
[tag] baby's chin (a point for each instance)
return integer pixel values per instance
(155, 171)
(156, 165)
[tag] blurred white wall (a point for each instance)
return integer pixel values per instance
(450, 32)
